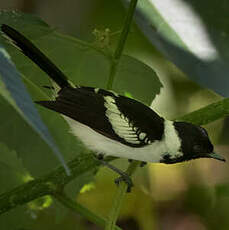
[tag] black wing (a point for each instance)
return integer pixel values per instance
(117, 117)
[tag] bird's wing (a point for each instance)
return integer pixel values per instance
(117, 117)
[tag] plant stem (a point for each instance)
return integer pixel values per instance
(121, 42)
(208, 113)
(119, 197)
(79, 209)
(47, 184)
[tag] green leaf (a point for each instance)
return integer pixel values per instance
(138, 79)
(11, 167)
(12, 174)
(74, 187)
(18, 218)
(14, 91)
(34, 153)
(82, 62)
(222, 190)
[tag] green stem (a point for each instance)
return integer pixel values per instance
(119, 197)
(79, 209)
(47, 184)
(121, 42)
(113, 70)
(208, 113)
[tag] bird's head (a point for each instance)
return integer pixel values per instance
(195, 143)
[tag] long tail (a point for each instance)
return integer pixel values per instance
(32, 52)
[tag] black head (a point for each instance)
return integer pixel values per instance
(195, 143)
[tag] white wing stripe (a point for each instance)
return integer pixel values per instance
(120, 124)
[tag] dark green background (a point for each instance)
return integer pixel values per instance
(191, 195)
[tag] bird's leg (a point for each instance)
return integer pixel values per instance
(123, 176)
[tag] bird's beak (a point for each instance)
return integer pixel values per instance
(216, 156)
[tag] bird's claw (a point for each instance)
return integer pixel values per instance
(127, 180)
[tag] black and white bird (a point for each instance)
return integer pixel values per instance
(115, 125)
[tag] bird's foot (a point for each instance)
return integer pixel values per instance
(125, 178)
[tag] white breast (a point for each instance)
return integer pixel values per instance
(101, 144)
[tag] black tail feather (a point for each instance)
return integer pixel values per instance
(32, 52)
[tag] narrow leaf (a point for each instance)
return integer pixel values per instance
(189, 36)
(14, 91)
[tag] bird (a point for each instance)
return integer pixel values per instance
(114, 125)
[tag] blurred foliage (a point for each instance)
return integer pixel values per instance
(15, 93)
(178, 29)
(192, 195)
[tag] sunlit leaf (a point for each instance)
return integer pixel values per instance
(192, 35)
